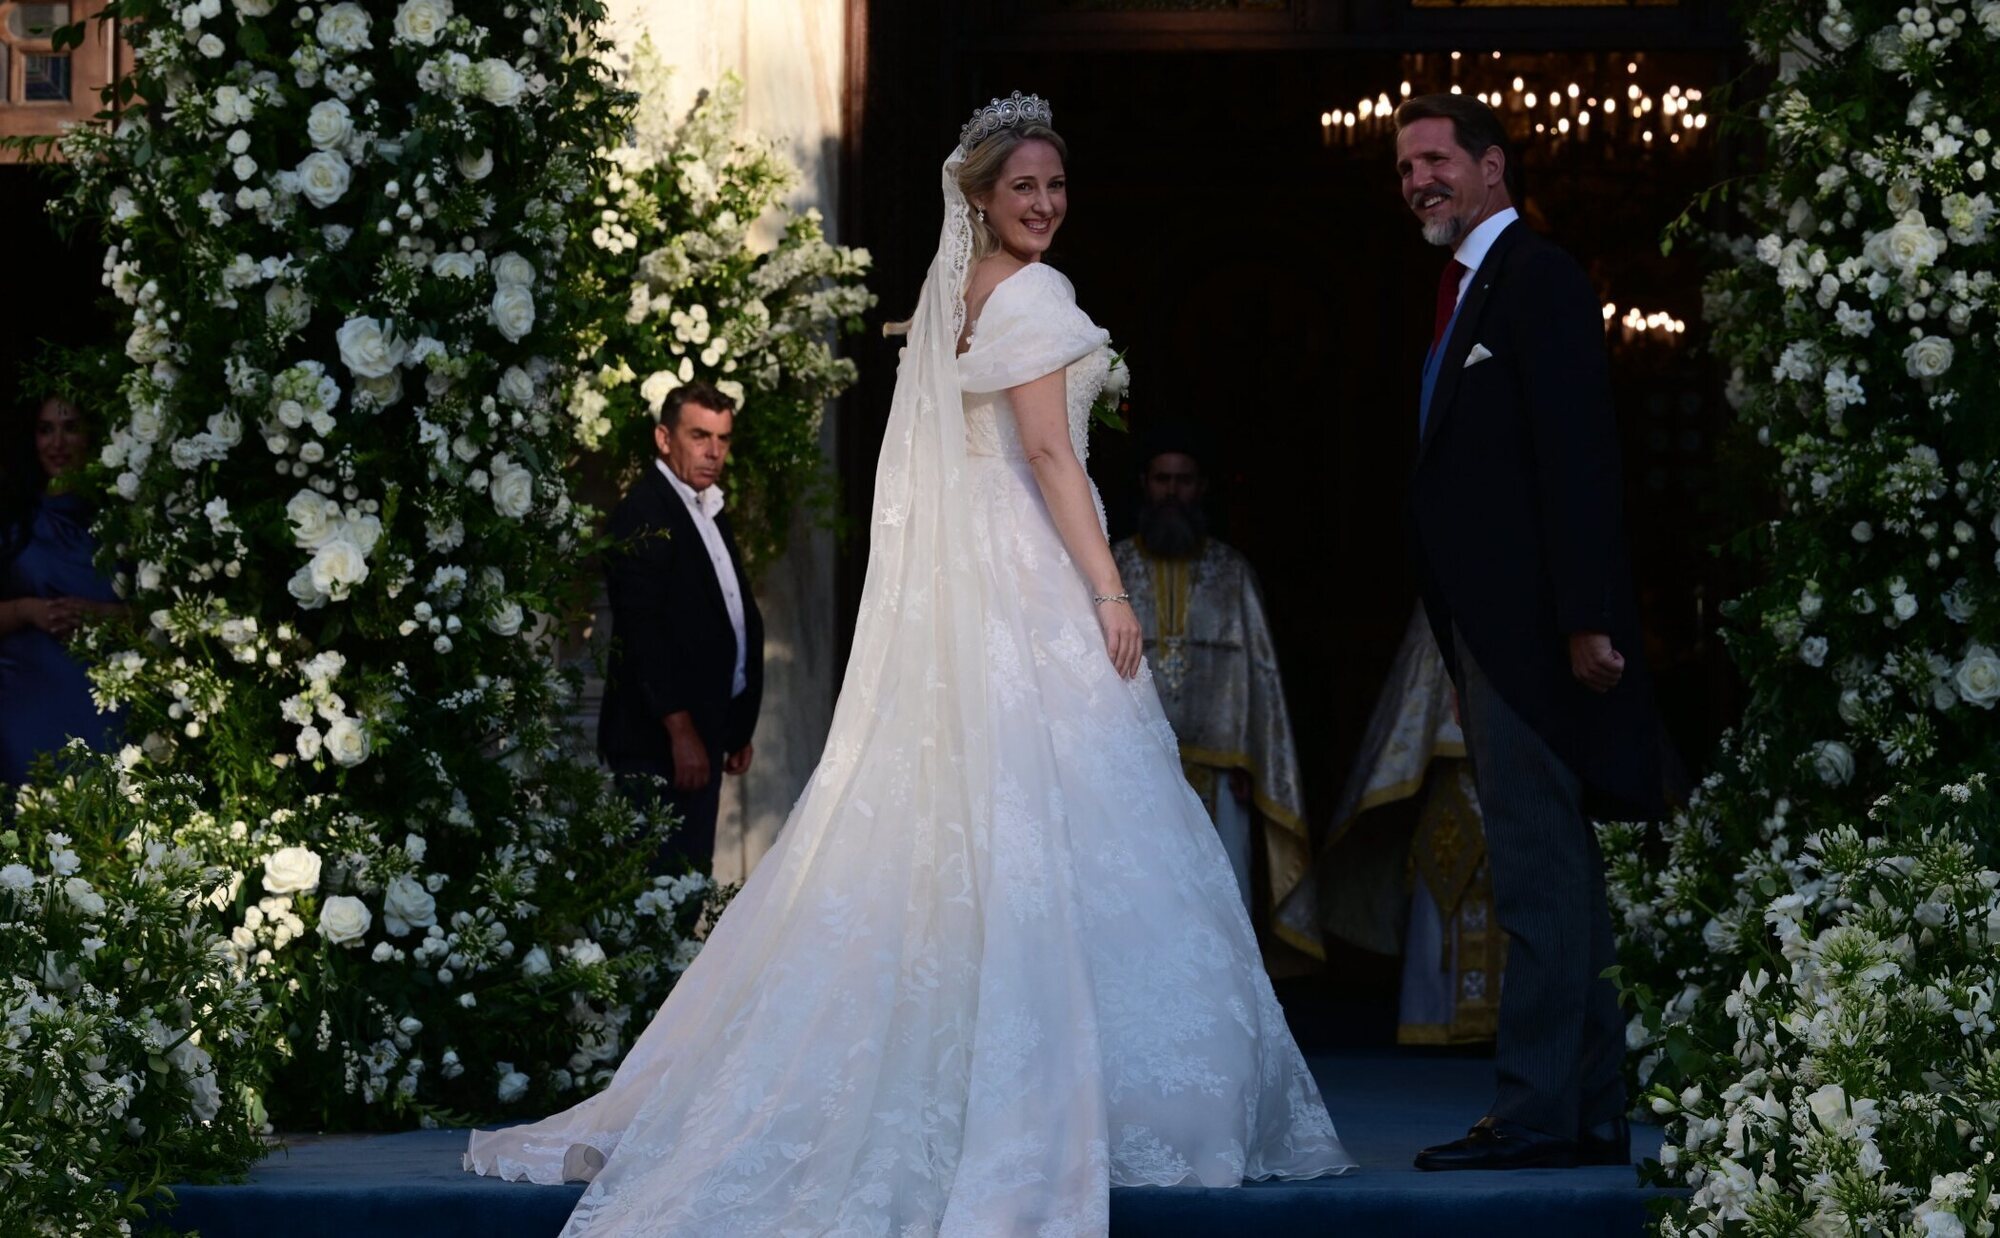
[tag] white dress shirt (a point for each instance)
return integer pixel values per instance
(702, 507)
(1472, 250)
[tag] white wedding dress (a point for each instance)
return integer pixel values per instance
(996, 962)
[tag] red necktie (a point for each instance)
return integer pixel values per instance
(1447, 303)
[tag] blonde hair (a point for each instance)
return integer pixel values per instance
(981, 172)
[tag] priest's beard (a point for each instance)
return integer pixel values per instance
(1172, 530)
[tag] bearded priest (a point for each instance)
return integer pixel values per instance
(1209, 645)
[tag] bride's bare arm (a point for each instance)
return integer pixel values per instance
(1041, 411)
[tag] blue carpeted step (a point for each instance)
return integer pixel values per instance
(1385, 1106)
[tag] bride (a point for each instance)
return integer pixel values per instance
(996, 962)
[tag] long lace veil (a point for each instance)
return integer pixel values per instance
(918, 664)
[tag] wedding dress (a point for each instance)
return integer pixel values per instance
(996, 962)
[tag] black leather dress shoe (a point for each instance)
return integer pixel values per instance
(1499, 1144)
(1607, 1143)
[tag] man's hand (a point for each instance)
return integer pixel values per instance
(738, 761)
(690, 754)
(1594, 662)
(56, 616)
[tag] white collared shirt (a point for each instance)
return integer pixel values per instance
(1472, 250)
(703, 507)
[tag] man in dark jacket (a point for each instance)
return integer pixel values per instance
(686, 671)
(1516, 527)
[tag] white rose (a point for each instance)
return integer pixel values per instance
(407, 905)
(289, 304)
(312, 517)
(145, 424)
(291, 870)
(323, 177)
(254, 8)
(500, 83)
(1978, 677)
(513, 492)
(347, 741)
(475, 167)
(1911, 245)
(513, 1086)
(585, 953)
(369, 349)
(516, 387)
(308, 742)
(1833, 761)
(344, 27)
(336, 567)
(513, 312)
(329, 125)
(512, 270)
(343, 919)
(211, 46)
(421, 21)
(506, 621)
(534, 963)
(303, 591)
(1928, 357)
(658, 385)
(204, 1097)
(454, 264)
(384, 391)
(1905, 605)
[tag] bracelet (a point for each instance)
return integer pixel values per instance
(1100, 598)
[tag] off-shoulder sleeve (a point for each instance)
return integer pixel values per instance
(1030, 326)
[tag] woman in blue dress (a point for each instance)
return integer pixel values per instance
(49, 588)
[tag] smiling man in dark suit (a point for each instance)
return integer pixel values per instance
(686, 671)
(1517, 531)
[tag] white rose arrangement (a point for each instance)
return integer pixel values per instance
(337, 452)
(1808, 940)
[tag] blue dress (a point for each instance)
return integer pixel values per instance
(44, 693)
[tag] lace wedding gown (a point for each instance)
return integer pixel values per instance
(911, 1025)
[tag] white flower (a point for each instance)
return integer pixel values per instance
(347, 741)
(1910, 246)
(585, 953)
(291, 870)
(500, 83)
(210, 46)
(16, 879)
(308, 742)
(1928, 357)
(421, 21)
(516, 387)
(1905, 605)
(505, 621)
(511, 270)
(344, 27)
(369, 349)
(382, 392)
(204, 1097)
(1812, 650)
(289, 304)
(1829, 1106)
(513, 1085)
(323, 177)
(454, 264)
(314, 519)
(657, 387)
(407, 905)
(343, 919)
(1978, 677)
(1833, 761)
(513, 489)
(513, 312)
(336, 567)
(533, 963)
(475, 167)
(329, 125)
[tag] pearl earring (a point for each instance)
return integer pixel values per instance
(982, 214)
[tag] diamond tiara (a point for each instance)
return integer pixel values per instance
(1015, 109)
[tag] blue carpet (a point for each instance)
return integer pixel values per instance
(1385, 1106)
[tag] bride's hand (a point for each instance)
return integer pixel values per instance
(1122, 639)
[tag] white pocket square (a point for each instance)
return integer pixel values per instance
(1478, 354)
